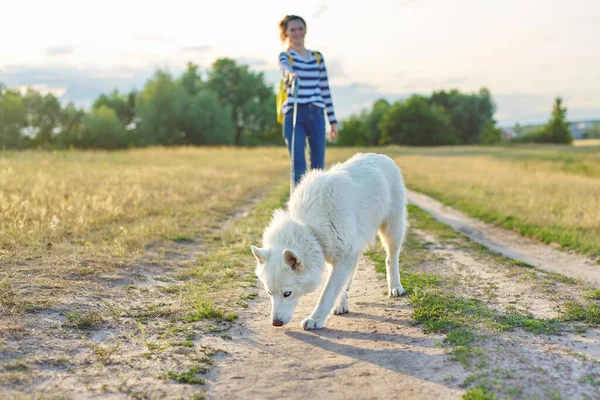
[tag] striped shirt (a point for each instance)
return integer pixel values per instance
(313, 84)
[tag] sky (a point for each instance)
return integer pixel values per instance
(526, 52)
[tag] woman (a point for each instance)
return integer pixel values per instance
(314, 97)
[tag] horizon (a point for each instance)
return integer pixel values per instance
(525, 52)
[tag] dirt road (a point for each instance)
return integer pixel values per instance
(509, 243)
(376, 351)
(372, 352)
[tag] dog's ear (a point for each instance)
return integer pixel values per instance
(260, 253)
(291, 259)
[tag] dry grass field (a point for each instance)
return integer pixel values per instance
(587, 142)
(550, 193)
(116, 268)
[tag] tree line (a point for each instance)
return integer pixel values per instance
(443, 118)
(232, 105)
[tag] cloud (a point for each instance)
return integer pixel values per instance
(352, 98)
(427, 84)
(44, 89)
(335, 70)
(59, 51)
(152, 37)
(196, 49)
(251, 62)
(527, 109)
(81, 86)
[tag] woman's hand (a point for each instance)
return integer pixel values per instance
(333, 133)
(291, 77)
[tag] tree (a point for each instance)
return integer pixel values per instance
(415, 123)
(12, 119)
(252, 102)
(190, 80)
(470, 114)
(72, 125)
(205, 121)
(103, 129)
(490, 134)
(557, 128)
(379, 109)
(354, 131)
(122, 103)
(42, 115)
(161, 110)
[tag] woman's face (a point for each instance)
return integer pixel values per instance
(296, 31)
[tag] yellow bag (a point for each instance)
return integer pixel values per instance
(282, 92)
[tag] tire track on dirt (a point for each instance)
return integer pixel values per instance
(509, 243)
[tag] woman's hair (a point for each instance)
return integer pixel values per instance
(284, 24)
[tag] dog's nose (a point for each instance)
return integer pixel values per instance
(277, 322)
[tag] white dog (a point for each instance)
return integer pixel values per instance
(330, 218)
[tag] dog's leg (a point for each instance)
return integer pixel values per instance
(392, 236)
(342, 304)
(335, 283)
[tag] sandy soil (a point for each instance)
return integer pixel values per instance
(371, 352)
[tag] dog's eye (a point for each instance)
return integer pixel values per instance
(287, 294)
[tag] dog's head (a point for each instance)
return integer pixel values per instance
(286, 276)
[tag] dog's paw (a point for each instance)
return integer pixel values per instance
(342, 307)
(311, 323)
(397, 291)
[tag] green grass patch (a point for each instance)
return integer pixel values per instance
(479, 393)
(249, 296)
(527, 322)
(84, 319)
(460, 337)
(410, 280)
(181, 237)
(588, 313)
(420, 219)
(205, 308)
(442, 312)
(465, 354)
(189, 376)
(593, 294)
(439, 312)
(185, 343)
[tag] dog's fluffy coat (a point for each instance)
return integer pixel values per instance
(330, 218)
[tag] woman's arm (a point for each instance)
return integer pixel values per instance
(284, 65)
(326, 91)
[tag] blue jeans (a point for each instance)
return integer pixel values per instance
(310, 128)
